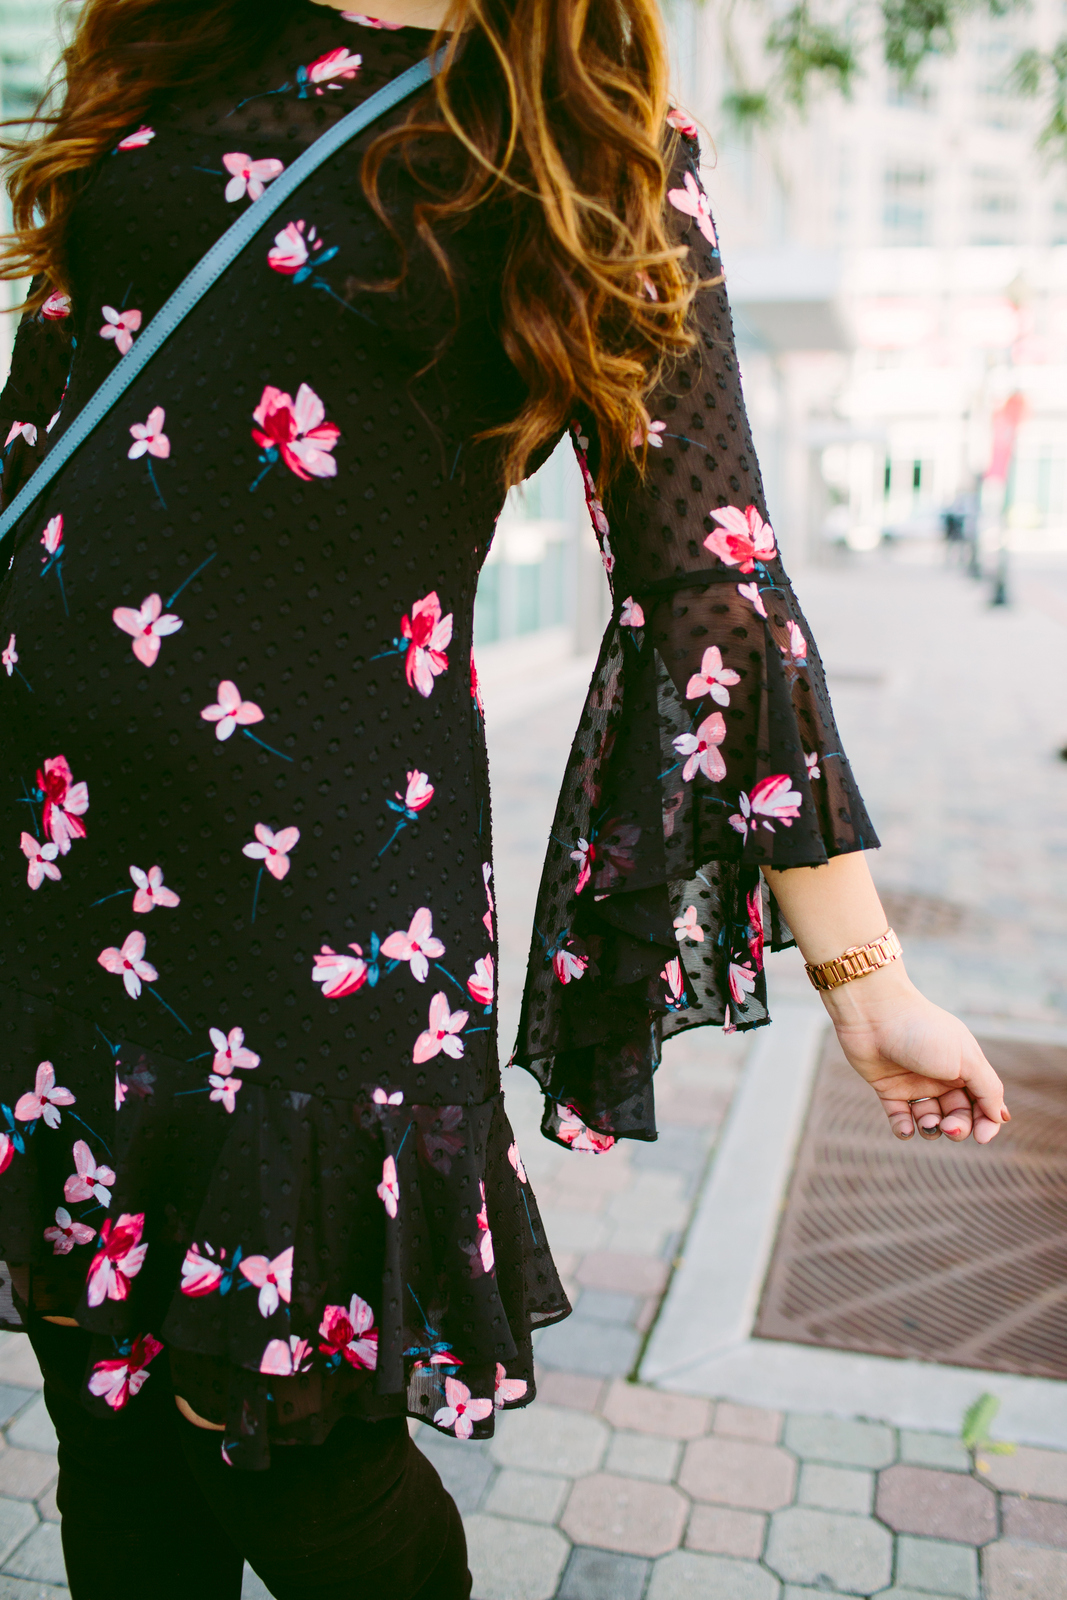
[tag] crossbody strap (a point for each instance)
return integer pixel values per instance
(207, 270)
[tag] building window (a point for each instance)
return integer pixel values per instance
(906, 210)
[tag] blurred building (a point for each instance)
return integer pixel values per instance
(897, 264)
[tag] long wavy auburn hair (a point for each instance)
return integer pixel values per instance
(553, 109)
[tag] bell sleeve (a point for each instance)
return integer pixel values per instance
(706, 750)
(33, 394)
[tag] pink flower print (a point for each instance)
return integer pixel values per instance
(130, 962)
(120, 1092)
(584, 854)
(713, 678)
(44, 1099)
(336, 64)
(52, 537)
(811, 761)
(418, 946)
(149, 436)
(648, 286)
(694, 202)
(771, 797)
(230, 1053)
(487, 917)
(516, 1161)
(10, 656)
(381, 1098)
(443, 1032)
(201, 1273)
(507, 1389)
(67, 1233)
(481, 1252)
(150, 890)
(742, 540)
(41, 859)
(742, 982)
(272, 848)
(750, 591)
(56, 307)
(273, 1279)
(119, 1379)
(797, 649)
(701, 750)
(249, 177)
(224, 1090)
(460, 1412)
(120, 326)
(297, 431)
(339, 974)
(419, 791)
(28, 431)
(119, 1260)
(754, 905)
(687, 927)
(7, 1151)
(672, 977)
(480, 982)
(631, 615)
(290, 250)
(370, 22)
(430, 635)
(89, 1182)
(389, 1188)
(574, 1132)
(138, 140)
(230, 711)
(568, 966)
(65, 803)
(651, 434)
(147, 625)
(685, 125)
(283, 1360)
(350, 1334)
(476, 693)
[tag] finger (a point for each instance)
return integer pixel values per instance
(900, 1118)
(983, 1086)
(984, 1129)
(958, 1115)
(927, 1114)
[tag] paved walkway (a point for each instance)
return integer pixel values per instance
(607, 1490)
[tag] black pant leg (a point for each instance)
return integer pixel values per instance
(363, 1514)
(135, 1523)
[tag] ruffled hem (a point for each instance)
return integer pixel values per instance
(323, 1257)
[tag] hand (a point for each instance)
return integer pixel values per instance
(909, 1051)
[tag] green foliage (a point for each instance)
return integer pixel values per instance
(977, 1421)
(808, 49)
(915, 29)
(1035, 74)
(748, 108)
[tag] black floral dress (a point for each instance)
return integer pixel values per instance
(250, 1104)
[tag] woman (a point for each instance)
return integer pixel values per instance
(259, 1196)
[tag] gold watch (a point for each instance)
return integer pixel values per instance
(856, 962)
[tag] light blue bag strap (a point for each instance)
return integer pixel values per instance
(207, 270)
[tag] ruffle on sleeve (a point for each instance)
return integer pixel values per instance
(652, 915)
(367, 1257)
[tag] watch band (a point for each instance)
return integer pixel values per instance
(856, 962)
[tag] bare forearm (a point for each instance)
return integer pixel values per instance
(829, 908)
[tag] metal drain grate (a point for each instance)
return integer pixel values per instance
(955, 1255)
